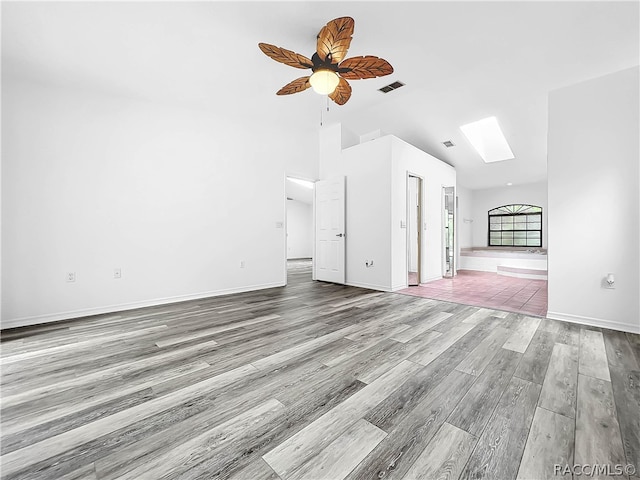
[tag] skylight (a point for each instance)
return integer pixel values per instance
(304, 183)
(487, 138)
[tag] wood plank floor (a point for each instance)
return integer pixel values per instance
(316, 381)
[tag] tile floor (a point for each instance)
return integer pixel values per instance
(484, 289)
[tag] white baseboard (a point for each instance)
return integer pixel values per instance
(594, 322)
(431, 279)
(370, 286)
(527, 276)
(54, 317)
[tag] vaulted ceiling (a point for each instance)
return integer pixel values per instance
(460, 61)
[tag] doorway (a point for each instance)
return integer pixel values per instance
(299, 226)
(449, 216)
(414, 237)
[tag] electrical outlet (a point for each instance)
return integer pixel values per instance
(241, 263)
(71, 276)
(117, 273)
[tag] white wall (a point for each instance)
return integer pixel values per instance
(435, 174)
(376, 173)
(173, 197)
(464, 221)
(487, 199)
(299, 229)
(368, 171)
(594, 213)
(465, 217)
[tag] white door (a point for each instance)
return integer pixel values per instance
(329, 258)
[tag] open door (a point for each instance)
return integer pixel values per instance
(449, 269)
(329, 206)
(414, 221)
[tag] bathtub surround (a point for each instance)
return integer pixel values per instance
(491, 259)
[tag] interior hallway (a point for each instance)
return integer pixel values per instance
(490, 290)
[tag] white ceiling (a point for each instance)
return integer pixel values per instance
(461, 61)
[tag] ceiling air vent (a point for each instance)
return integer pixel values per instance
(449, 144)
(391, 86)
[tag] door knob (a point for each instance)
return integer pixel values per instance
(339, 235)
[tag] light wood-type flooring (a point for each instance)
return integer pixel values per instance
(316, 381)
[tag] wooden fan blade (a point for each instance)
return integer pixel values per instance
(285, 56)
(334, 39)
(342, 93)
(364, 67)
(298, 85)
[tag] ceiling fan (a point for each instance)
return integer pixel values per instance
(330, 70)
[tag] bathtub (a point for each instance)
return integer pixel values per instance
(522, 262)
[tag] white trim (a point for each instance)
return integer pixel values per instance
(432, 279)
(370, 286)
(54, 317)
(594, 322)
(286, 231)
(421, 203)
(529, 276)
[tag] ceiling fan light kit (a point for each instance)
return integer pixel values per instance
(324, 81)
(330, 70)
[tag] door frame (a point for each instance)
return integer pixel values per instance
(445, 222)
(286, 227)
(420, 223)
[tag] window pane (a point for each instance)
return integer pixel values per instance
(521, 226)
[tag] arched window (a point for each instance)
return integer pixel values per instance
(515, 226)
